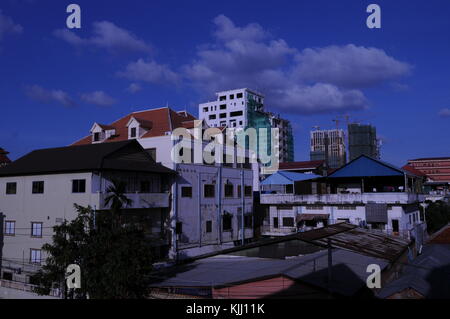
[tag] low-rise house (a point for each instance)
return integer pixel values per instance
(365, 192)
(212, 203)
(39, 190)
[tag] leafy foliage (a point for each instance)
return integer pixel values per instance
(115, 259)
(437, 215)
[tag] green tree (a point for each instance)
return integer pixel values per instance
(115, 261)
(117, 199)
(437, 215)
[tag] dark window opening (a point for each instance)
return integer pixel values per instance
(289, 189)
(209, 190)
(212, 117)
(236, 113)
(11, 188)
(239, 95)
(133, 132)
(227, 221)
(248, 221)
(96, 137)
(222, 98)
(152, 153)
(7, 275)
(231, 96)
(223, 106)
(186, 191)
(208, 226)
(228, 190)
(223, 115)
(79, 186)
(38, 187)
(248, 191)
(288, 221)
(275, 222)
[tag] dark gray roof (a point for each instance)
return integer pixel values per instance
(428, 274)
(348, 271)
(125, 155)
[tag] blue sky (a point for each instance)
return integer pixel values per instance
(314, 60)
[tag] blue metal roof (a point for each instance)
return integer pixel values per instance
(285, 178)
(366, 166)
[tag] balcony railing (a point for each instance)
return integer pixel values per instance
(394, 198)
(140, 200)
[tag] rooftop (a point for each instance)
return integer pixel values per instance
(300, 165)
(102, 156)
(157, 121)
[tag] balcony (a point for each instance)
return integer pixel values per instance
(140, 200)
(391, 198)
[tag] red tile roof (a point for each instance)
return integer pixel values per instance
(3, 157)
(162, 120)
(300, 165)
(411, 169)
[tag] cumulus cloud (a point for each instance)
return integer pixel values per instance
(445, 112)
(149, 71)
(108, 36)
(134, 87)
(99, 98)
(8, 26)
(349, 66)
(250, 57)
(41, 94)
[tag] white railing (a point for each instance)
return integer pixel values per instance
(399, 198)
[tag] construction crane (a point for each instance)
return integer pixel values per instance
(338, 118)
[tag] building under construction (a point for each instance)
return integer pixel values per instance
(362, 140)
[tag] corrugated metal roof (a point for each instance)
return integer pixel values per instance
(284, 178)
(366, 166)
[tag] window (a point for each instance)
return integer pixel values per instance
(209, 190)
(227, 221)
(289, 189)
(186, 191)
(79, 186)
(288, 221)
(10, 228)
(275, 222)
(223, 98)
(133, 132)
(11, 188)
(96, 136)
(205, 109)
(223, 115)
(212, 117)
(237, 113)
(239, 95)
(35, 256)
(248, 191)
(228, 190)
(8, 276)
(152, 153)
(208, 226)
(36, 229)
(38, 187)
(248, 221)
(231, 96)
(145, 187)
(223, 106)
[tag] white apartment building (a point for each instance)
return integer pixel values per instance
(365, 192)
(200, 222)
(244, 108)
(39, 190)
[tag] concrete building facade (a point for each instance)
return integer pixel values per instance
(328, 146)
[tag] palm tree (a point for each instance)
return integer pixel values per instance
(117, 197)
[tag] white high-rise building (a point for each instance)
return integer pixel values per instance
(244, 108)
(230, 108)
(328, 145)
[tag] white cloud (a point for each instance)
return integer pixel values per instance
(8, 26)
(301, 81)
(99, 98)
(445, 112)
(149, 72)
(108, 36)
(134, 87)
(40, 94)
(348, 66)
